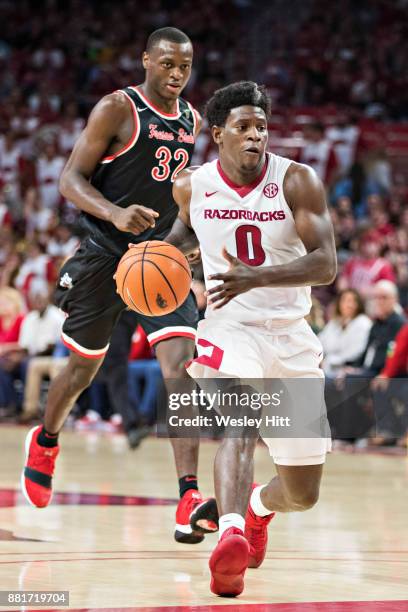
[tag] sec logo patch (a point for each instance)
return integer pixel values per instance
(271, 190)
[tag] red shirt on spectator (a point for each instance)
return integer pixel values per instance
(140, 348)
(397, 363)
(12, 333)
(362, 273)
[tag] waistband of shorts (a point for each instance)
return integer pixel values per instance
(277, 324)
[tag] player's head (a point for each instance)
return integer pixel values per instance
(167, 61)
(238, 117)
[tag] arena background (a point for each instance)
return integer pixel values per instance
(336, 73)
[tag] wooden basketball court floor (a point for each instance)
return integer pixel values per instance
(107, 538)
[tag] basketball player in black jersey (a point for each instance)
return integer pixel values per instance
(120, 175)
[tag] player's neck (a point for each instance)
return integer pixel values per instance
(241, 177)
(167, 106)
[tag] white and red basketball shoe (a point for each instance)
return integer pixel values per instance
(256, 532)
(36, 478)
(195, 517)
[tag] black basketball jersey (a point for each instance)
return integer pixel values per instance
(143, 171)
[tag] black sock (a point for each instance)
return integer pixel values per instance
(47, 439)
(187, 482)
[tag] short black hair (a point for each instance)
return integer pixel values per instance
(242, 93)
(170, 34)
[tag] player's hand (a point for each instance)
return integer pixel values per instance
(135, 219)
(239, 279)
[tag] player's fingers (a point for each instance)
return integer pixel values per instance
(141, 212)
(220, 277)
(149, 211)
(228, 256)
(221, 304)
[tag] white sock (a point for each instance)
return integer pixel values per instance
(256, 503)
(230, 520)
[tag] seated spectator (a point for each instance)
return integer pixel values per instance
(347, 412)
(39, 332)
(41, 368)
(345, 336)
(11, 317)
(390, 394)
(363, 270)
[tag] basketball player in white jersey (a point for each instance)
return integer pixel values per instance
(265, 237)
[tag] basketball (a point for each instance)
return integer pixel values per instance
(153, 278)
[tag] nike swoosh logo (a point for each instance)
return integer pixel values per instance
(140, 110)
(208, 195)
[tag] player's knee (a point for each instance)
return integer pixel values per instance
(303, 499)
(81, 376)
(175, 368)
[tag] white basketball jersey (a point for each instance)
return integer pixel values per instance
(254, 223)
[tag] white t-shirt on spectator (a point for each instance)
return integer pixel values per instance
(344, 345)
(37, 333)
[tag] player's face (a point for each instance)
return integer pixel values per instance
(168, 68)
(244, 137)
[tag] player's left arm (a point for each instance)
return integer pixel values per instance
(305, 195)
(181, 234)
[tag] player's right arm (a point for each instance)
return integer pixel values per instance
(104, 127)
(181, 234)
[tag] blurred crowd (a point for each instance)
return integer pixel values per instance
(314, 60)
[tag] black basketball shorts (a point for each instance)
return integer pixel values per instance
(86, 292)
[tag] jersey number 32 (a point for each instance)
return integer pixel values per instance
(161, 172)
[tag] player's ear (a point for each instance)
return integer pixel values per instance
(217, 133)
(145, 60)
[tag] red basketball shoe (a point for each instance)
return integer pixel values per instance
(228, 563)
(195, 516)
(36, 478)
(256, 532)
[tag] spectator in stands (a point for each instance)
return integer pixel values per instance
(11, 317)
(344, 136)
(39, 332)
(48, 172)
(36, 265)
(390, 394)
(353, 421)
(10, 170)
(345, 336)
(363, 270)
(318, 152)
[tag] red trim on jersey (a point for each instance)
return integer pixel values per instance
(174, 334)
(155, 108)
(196, 118)
(76, 350)
(243, 190)
(136, 129)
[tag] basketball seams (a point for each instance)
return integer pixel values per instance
(187, 270)
(143, 287)
(165, 278)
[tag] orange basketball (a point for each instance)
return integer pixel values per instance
(153, 278)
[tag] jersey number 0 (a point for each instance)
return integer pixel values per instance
(248, 239)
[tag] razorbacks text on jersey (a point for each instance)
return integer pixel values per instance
(254, 222)
(143, 171)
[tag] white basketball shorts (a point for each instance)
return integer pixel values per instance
(269, 349)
